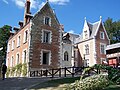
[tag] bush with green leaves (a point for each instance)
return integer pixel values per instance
(95, 82)
(113, 73)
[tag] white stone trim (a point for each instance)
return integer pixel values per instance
(104, 48)
(49, 20)
(12, 61)
(13, 44)
(103, 35)
(41, 60)
(50, 38)
(19, 40)
(17, 58)
(24, 41)
(23, 55)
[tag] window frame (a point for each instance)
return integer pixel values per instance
(18, 41)
(102, 35)
(13, 44)
(87, 51)
(49, 56)
(49, 39)
(102, 48)
(66, 56)
(25, 36)
(17, 59)
(46, 21)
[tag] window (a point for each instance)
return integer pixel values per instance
(18, 41)
(18, 57)
(13, 44)
(66, 56)
(87, 49)
(102, 48)
(8, 47)
(86, 62)
(101, 35)
(46, 36)
(12, 61)
(25, 36)
(24, 56)
(47, 21)
(45, 57)
(85, 33)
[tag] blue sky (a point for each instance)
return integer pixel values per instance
(70, 13)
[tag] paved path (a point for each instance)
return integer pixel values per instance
(20, 83)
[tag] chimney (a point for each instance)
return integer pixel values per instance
(27, 11)
(16, 29)
(20, 24)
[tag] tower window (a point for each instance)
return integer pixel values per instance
(47, 21)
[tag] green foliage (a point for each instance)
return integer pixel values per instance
(95, 82)
(24, 69)
(4, 36)
(113, 30)
(20, 69)
(113, 73)
(86, 70)
(8, 72)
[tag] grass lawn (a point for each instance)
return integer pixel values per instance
(57, 84)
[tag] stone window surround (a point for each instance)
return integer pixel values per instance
(101, 52)
(41, 59)
(23, 61)
(18, 41)
(13, 44)
(50, 37)
(102, 35)
(24, 37)
(17, 58)
(49, 20)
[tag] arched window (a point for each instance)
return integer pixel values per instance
(66, 56)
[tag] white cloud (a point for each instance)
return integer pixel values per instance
(36, 3)
(59, 2)
(5, 1)
(71, 31)
(21, 3)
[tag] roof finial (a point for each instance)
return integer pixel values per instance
(100, 18)
(84, 18)
(47, 0)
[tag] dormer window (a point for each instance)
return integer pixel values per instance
(47, 21)
(102, 35)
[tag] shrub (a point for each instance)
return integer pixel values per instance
(95, 82)
(24, 69)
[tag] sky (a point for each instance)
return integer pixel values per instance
(70, 13)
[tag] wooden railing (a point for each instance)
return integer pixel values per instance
(59, 72)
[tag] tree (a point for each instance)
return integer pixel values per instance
(4, 36)
(113, 30)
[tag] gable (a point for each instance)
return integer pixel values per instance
(46, 11)
(100, 30)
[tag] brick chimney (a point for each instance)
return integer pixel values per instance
(27, 14)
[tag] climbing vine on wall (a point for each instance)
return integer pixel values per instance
(18, 70)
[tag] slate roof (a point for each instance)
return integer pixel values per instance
(93, 28)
